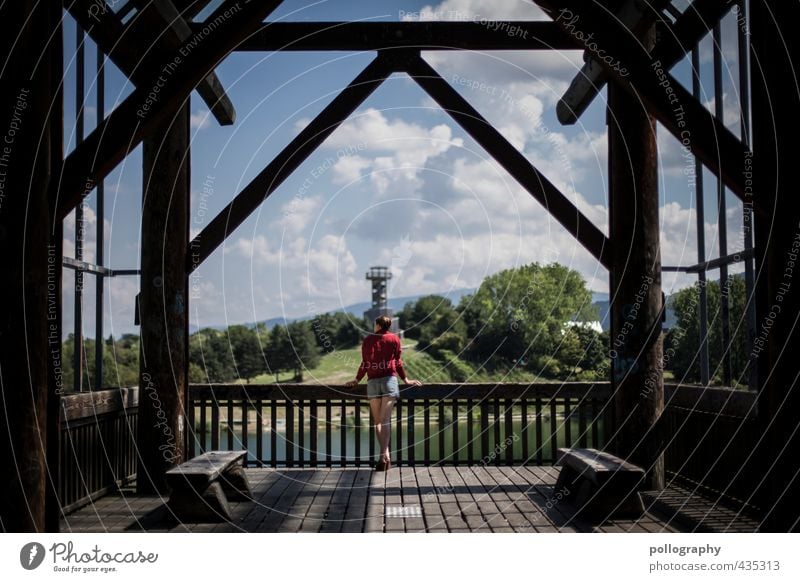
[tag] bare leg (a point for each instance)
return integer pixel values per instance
(375, 414)
(385, 436)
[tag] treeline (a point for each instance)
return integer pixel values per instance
(239, 352)
(533, 318)
(244, 352)
(682, 342)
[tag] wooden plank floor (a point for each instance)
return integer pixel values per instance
(420, 499)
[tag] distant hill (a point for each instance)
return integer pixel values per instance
(358, 309)
(599, 300)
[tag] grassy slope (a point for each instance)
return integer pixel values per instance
(340, 366)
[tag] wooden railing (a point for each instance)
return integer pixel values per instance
(712, 433)
(306, 426)
(98, 444)
(714, 440)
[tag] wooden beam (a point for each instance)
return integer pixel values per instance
(633, 14)
(294, 154)
(98, 402)
(30, 114)
(648, 80)
(128, 47)
(775, 45)
(514, 162)
(159, 23)
(164, 303)
(676, 40)
(374, 36)
(635, 283)
(190, 8)
(55, 251)
(156, 100)
(690, 28)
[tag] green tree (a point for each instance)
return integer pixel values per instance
(682, 342)
(292, 347)
(210, 351)
(120, 362)
(435, 323)
(246, 349)
(582, 353)
(279, 351)
(518, 316)
(304, 354)
(334, 331)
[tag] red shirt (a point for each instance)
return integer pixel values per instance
(380, 356)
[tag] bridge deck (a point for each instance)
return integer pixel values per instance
(406, 499)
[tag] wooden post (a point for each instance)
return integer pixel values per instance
(25, 182)
(163, 302)
(55, 270)
(777, 232)
(635, 284)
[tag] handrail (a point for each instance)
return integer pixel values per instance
(426, 391)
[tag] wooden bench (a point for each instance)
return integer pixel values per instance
(599, 484)
(201, 487)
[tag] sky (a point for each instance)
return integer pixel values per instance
(399, 184)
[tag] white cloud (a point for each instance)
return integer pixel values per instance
(349, 169)
(730, 111)
(477, 10)
(256, 249)
(89, 234)
(399, 149)
(200, 119)
(299, 213)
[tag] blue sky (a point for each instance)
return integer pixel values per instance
(399, 184)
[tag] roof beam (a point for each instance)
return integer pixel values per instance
(155, 100)
(287, 161)
(190, 8)
(127, 50)
(675, 41)
(160, 22)
(647, 78)
(514, 162)
(372, 36)
(636, 15)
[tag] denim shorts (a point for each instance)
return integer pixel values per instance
(386, 386)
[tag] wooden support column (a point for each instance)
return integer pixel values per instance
(635, 284)
(26, 160)
(774, 43)
(163, 376)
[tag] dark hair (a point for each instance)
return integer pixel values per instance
(384, 322)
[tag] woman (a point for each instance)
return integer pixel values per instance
(380, 361)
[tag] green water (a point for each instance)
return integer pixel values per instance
(441, 439)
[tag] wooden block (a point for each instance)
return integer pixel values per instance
(203, 469)
(235, 484)
(599, 484)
